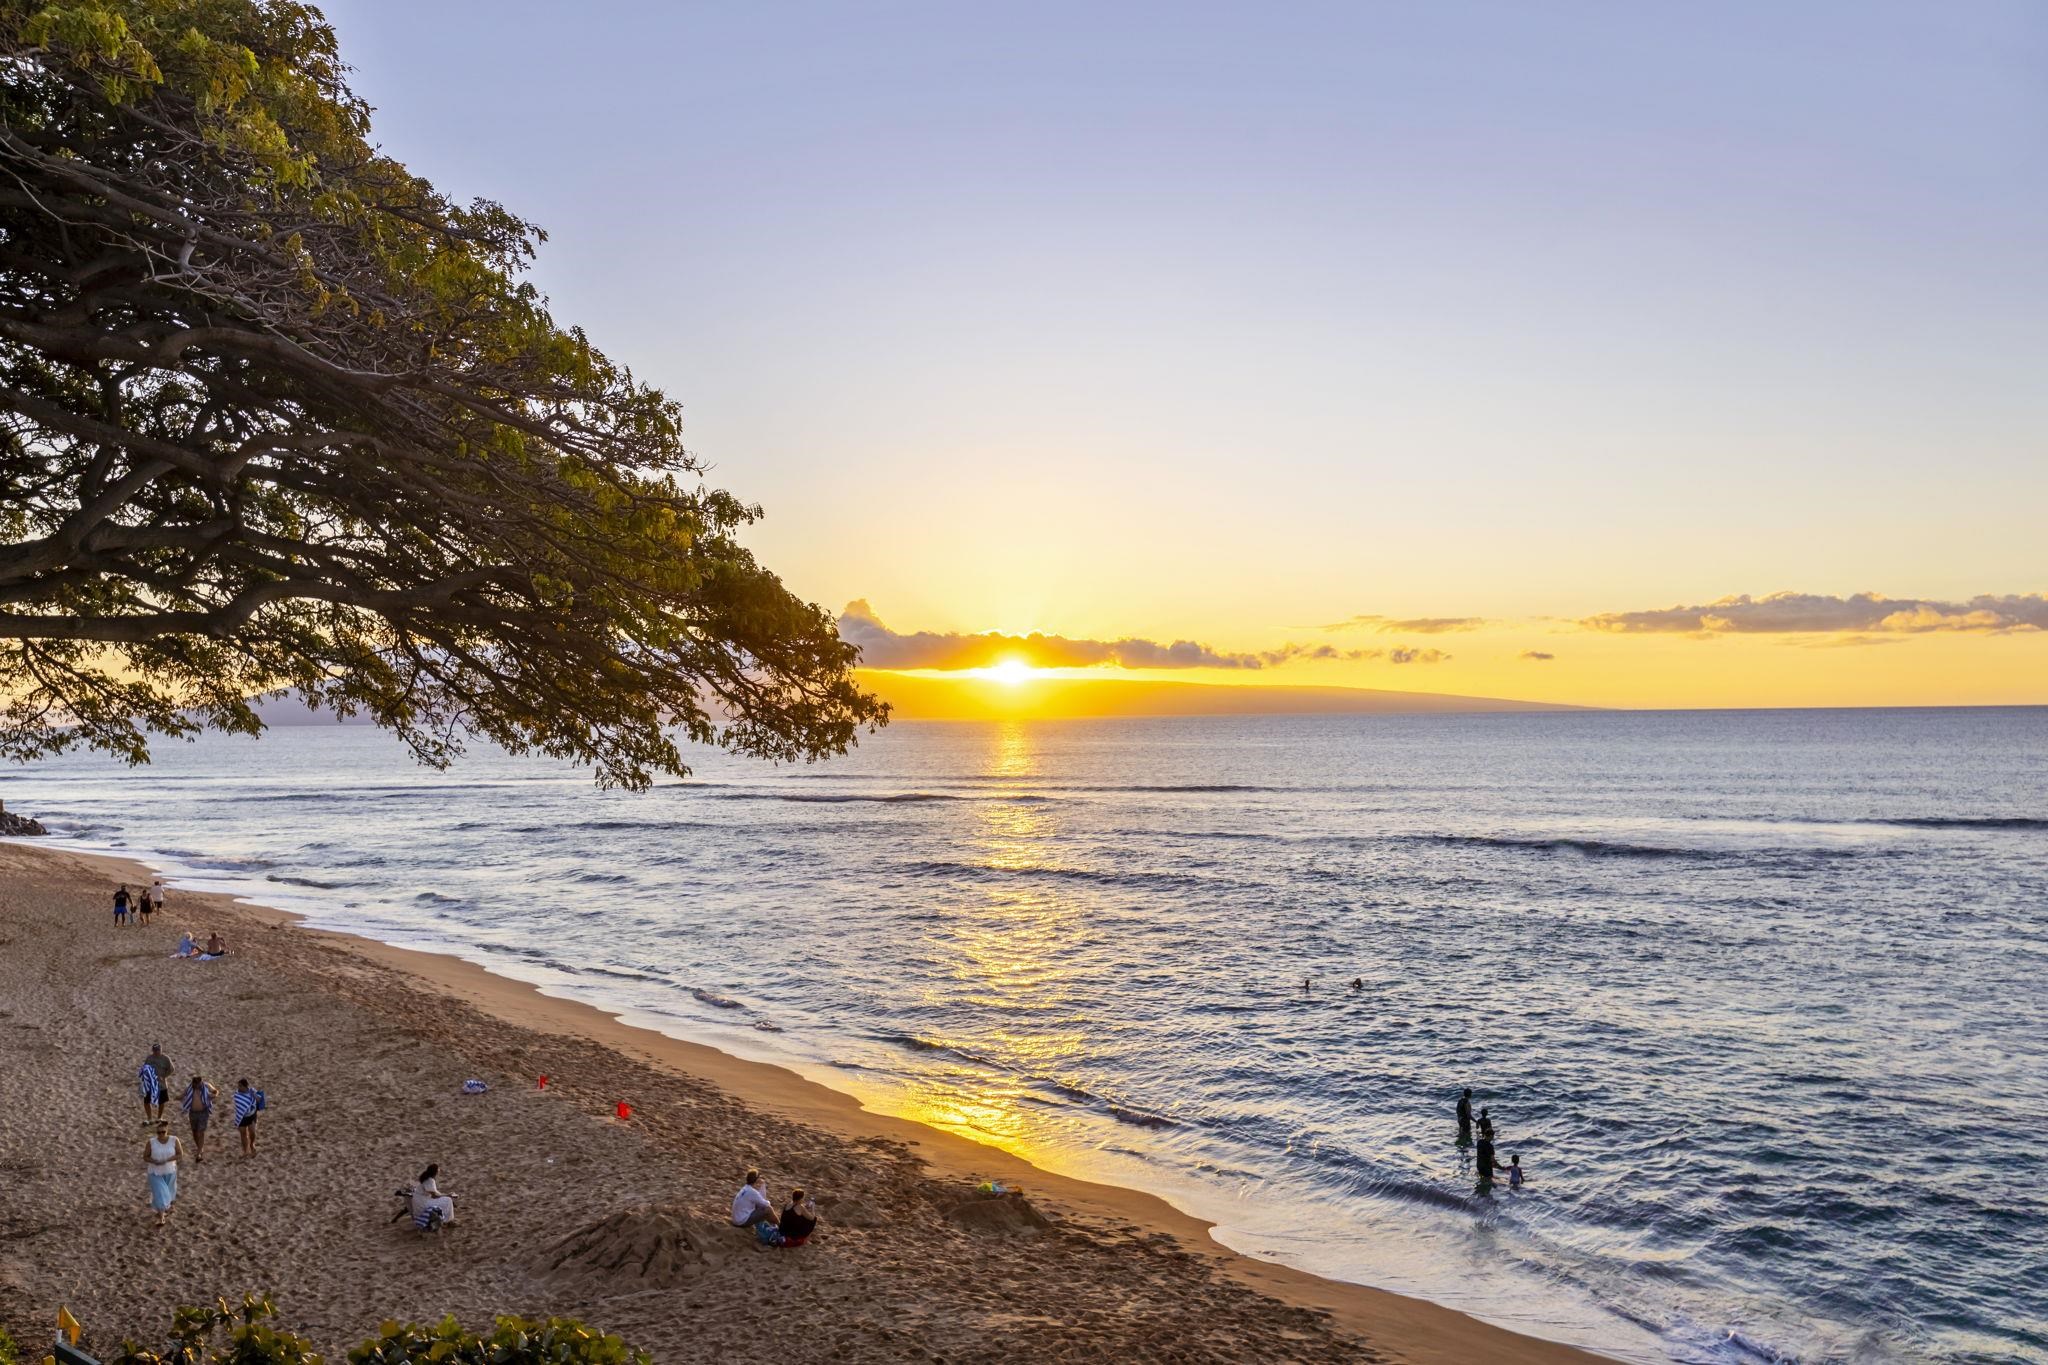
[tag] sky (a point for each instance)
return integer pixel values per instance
(1484, 348)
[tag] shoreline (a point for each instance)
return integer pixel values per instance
(1401, 1327)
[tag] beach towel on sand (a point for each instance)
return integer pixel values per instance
(473, 1086)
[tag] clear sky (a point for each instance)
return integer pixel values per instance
(1226, 323)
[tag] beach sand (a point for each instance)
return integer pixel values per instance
(362, 1050)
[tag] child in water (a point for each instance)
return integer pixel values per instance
(1514, 1172)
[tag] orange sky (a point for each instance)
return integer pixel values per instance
(1875, 654)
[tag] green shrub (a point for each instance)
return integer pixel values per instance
(7, 1353)
(224, 1333)
(515, 1341)
(241, 1334)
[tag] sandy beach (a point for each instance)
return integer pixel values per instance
(363, 1049)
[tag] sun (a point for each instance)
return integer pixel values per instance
(1010, 672)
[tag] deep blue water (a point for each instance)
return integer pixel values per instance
(1760, 999)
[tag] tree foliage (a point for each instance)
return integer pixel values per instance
(275, 413)
(222, 1333)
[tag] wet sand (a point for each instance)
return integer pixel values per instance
(362, 1050)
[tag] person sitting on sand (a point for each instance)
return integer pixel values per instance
(751, 1205)
(798, 1221)
(427, 1197)
(198, 1107)
(160, 1154)
(216, 946)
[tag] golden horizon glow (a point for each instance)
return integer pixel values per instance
(1012, 671)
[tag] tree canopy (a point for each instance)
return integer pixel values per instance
(275, 413)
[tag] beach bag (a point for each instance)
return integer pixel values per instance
(261, 1103)
(767, 1234)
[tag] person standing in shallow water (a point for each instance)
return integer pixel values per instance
(1465, 1116)
(1488, 1165)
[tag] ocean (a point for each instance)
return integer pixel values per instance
(1759, 998)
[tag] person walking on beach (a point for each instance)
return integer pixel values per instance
(154, 896)
(198, 1107)
(248, 1106)
(1465, 1116)
(121, 905)
(160, 1155)
(751, 1205)
(143, 908)
(153, 1079)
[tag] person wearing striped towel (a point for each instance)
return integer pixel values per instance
(153, 1080)
(248, 1105)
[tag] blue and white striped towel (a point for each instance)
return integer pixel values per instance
(245, 1104)
(149, 1083)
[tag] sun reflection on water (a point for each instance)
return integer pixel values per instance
(999, 947)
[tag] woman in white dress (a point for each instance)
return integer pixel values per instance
(427, 1196)
(160, 1154)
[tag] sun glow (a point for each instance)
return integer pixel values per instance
(1010, 672)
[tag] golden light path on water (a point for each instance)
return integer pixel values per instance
(1000, 955)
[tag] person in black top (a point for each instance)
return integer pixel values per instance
(1486, 1125)
(1465, 1116)
(798, 1221)
(1488, 1166)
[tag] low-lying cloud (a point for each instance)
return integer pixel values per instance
(1407, 625)
(1538, 656)
(950, 651)
(1804, 613)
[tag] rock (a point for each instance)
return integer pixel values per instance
(639, 1248)
(1000, 1215)
(18, 826)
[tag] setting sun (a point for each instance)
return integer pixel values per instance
(1011, 671)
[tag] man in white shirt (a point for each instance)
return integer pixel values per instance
(751, 1205)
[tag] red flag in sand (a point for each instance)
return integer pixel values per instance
(625, 1110)
(543, 1083)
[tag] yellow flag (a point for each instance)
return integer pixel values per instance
(68, 1325)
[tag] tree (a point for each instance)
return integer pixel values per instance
(275, 413)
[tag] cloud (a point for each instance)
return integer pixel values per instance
(1409, 625)
(1537, 656)
(1789, 613)
(1416, 656)
(882, 647)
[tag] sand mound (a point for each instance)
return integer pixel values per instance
(639, 1248)
(1003, 1215)
(850, 1213)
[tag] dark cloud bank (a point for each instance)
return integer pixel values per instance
(1792, 613)
(881, 647)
